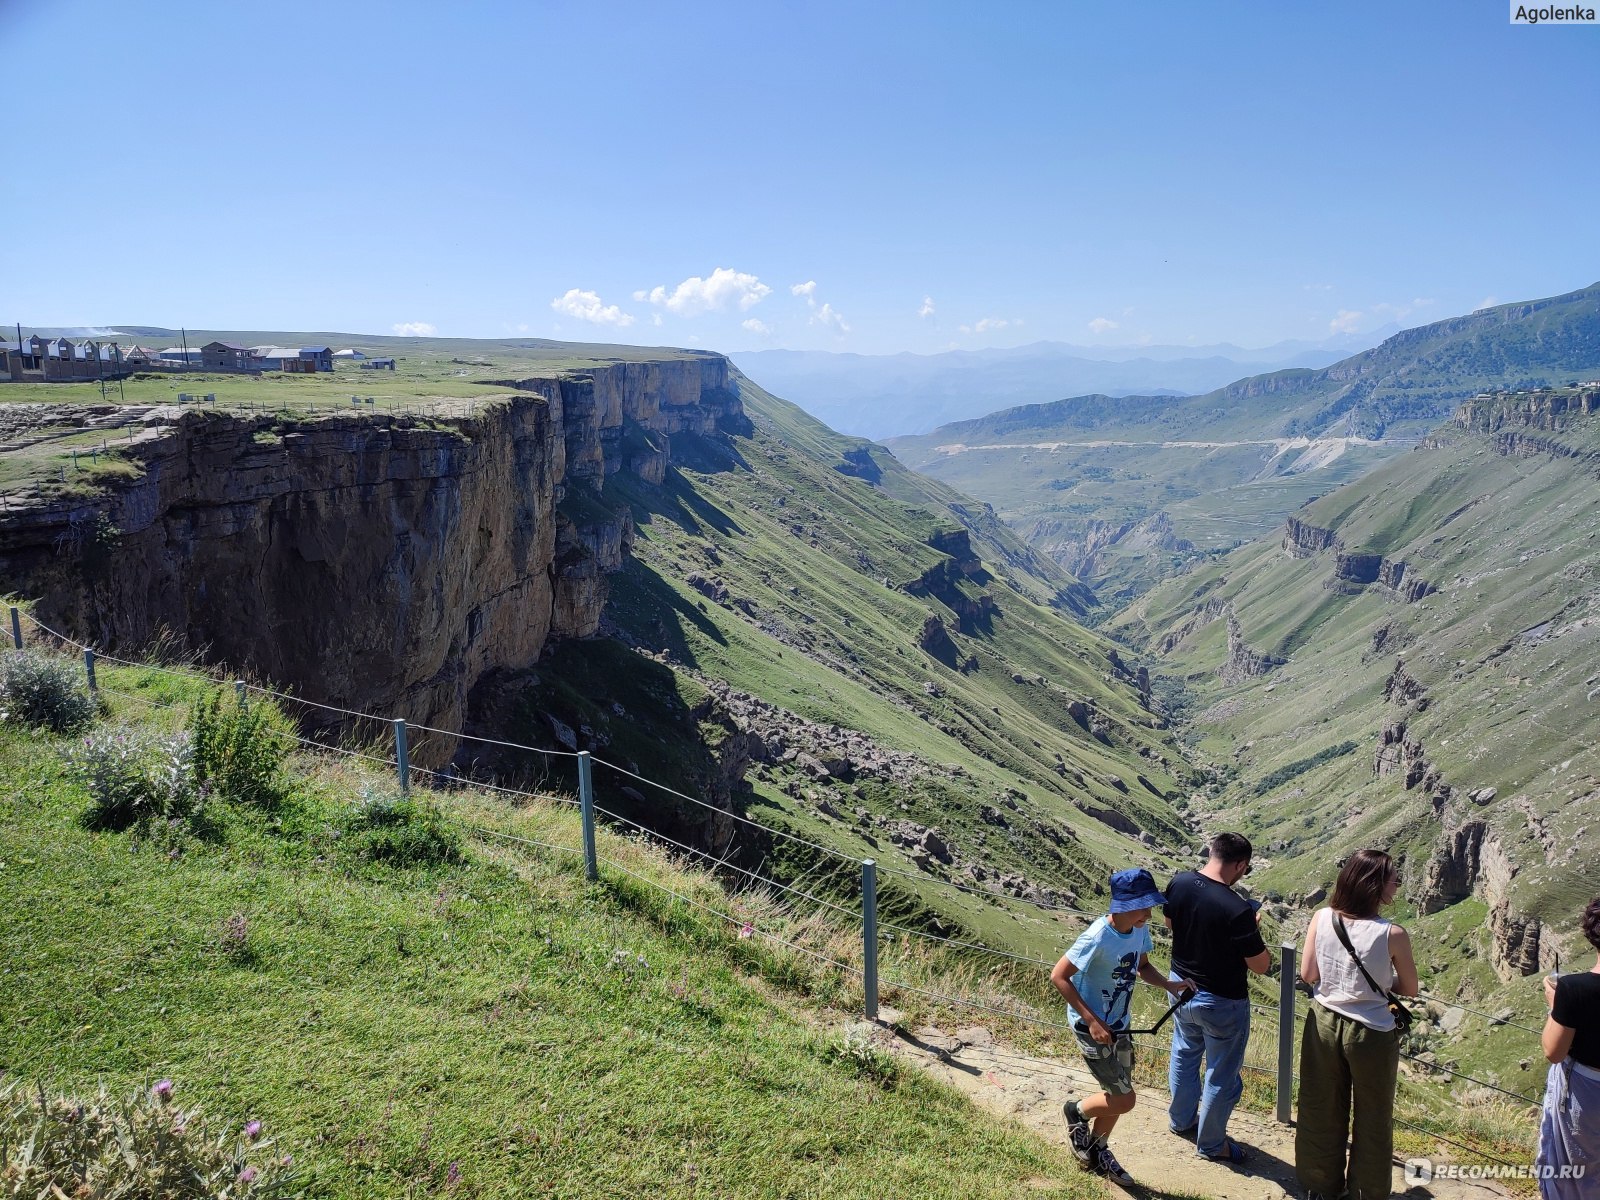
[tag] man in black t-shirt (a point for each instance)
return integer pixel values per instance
(1215, 942)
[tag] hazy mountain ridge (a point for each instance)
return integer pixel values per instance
(1227, 465)
(882, 396)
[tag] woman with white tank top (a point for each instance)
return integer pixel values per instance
(1350, 1051)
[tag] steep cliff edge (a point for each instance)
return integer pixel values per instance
(377, 562)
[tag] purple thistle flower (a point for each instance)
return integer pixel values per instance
(253, 1130)
(247, 1175)
(287, 1161)
(453, 1175)
(162, 1090)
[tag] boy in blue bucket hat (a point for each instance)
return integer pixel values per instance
(1095, 978)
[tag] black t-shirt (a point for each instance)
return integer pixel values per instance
(1213, 932)
(1578, 1008)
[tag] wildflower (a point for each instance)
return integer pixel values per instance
(162, 1090)
(746, 929)
(253, 1130)
(247, 1175)
(453, 1175)
(286, 1161)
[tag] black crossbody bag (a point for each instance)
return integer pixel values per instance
(1400, 1013)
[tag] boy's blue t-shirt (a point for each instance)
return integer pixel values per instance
(1108, 964)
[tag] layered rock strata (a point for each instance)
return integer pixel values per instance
(370, 561)
(1353, 570)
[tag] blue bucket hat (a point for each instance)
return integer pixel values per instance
(1134, 888)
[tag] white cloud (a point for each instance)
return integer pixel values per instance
(1487, 302)
(1346, 322)
(808, 289)
(988, 323)
(1317, 287)
(655, 319)
(412, 329)
(757, 325)
(724, 288)
(927, 307)
(587, 306)
(1101, 325)
(829, 319)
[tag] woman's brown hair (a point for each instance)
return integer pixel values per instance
(1591, 922)
(1358, 893)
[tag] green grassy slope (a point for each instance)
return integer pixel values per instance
(1505, 650)
(761, 564)
(834, 559)
(1222, 464)
(491, 1028)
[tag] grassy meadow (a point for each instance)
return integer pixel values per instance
(492, 1026)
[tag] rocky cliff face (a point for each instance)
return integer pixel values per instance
(1304, 540)
(1084, 554)
(1353, 571)
(1551, 410)
(375, 562)
(1469, 856)
(1243, 662)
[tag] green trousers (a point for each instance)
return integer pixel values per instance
(1345, 1066)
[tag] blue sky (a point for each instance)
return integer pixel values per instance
(862, 177)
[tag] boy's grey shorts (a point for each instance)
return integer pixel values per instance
(1112, 1066)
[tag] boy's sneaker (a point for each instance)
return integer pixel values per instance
(1079, 1135)
(1105, 1163)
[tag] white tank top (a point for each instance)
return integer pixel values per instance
(1340, 987)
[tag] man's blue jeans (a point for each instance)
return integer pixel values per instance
(1217, 1029)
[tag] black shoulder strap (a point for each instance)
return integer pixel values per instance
(1338, 927)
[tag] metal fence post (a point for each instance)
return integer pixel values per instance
(401, 760)
(88, 669)
(869, 938)
(238, 692)
(16, 627)
(1286, 977)
(591, 862)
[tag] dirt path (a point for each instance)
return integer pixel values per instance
(1011, 1084)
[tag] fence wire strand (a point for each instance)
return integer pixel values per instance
(886, 929)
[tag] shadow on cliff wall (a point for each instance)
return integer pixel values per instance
(652, 614)
(641, 720)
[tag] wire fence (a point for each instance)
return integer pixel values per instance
(1268, 1052)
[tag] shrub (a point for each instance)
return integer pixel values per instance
(389, 827)
(239, 749)
(41, 690)
(142, 1145)
(136, 776)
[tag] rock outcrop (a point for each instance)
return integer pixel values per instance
(1242, 662)
(1353, 570)
(1552, 410)
(368, 560)
(1303, 540)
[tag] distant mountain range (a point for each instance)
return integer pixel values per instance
(1079, 478)
(881, 396)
